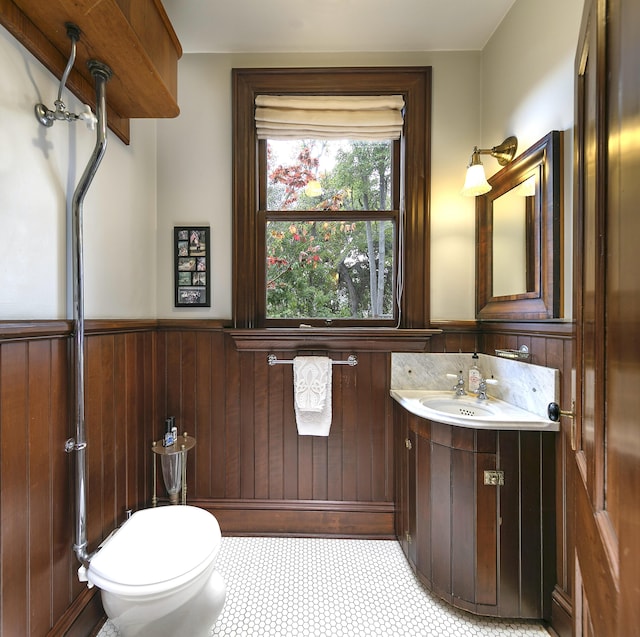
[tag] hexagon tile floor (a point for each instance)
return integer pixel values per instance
(307, 587)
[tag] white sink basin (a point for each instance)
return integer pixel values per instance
(469, 411)
(461, 406)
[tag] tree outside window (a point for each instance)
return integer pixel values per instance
(330, 232)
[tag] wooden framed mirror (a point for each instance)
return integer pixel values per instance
(518, 237)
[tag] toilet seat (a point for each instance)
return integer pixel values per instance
(155, 550)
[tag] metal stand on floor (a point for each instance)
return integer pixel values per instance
(173, 460)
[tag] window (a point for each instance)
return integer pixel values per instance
(330, 231)
(320, 236)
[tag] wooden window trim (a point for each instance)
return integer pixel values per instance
(414, 83)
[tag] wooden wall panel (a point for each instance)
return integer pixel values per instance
(275, 445)
(249, 389)
(14, 528)
(203, 415)
(247, 445)
(290, 437)
(40, 521)
(230, 487)
(39, 590)
(455, 337)
(551, 343)
(249, 465)
(60, 478)
(260, 437)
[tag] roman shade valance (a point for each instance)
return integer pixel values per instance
(365, 117)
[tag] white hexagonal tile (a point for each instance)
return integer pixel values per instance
(308, 587)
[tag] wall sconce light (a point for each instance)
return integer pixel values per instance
(476, 182)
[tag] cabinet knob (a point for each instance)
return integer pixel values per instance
(554, 412)
(407, 443)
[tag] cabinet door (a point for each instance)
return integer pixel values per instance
(411, 534)
(474, 530)
(441, 519)
(401, 469)
(487, 533)
(422, 530)
(463, 525)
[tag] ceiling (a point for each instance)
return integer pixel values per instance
(310, 26)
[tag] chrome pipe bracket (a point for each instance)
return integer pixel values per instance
(71, 445)
(97, 68)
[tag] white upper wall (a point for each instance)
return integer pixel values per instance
(38, 167)
(194, 168)
(478, 98)
(528, 90)
(527, 73)
(182, 175)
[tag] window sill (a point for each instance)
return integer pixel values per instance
(332, 339)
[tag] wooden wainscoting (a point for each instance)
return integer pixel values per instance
(550, 343)
(250, 467)
(39, 589)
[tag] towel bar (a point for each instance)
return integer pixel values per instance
(352, 361)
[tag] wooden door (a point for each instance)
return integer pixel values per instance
(607, 309)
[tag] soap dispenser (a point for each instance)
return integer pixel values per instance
(474, 375)
(169, 437)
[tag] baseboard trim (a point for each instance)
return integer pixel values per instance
(82, 617)
(561, 614)
(309, 518)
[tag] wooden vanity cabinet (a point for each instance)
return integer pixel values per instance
(487, 549)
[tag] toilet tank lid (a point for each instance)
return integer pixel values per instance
(157, 545)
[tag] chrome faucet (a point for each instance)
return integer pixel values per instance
(482, 387)
(459, 386)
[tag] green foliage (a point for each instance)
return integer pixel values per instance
(363, 174)
(339, 266)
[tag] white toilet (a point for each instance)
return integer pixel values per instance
(157, 573)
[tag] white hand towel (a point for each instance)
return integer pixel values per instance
(312, 394)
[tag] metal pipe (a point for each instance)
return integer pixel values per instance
(101, 73)
(46, 116)
(73, 33)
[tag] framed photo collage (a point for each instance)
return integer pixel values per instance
(192, 280)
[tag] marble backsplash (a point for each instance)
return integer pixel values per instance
(531, 387)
